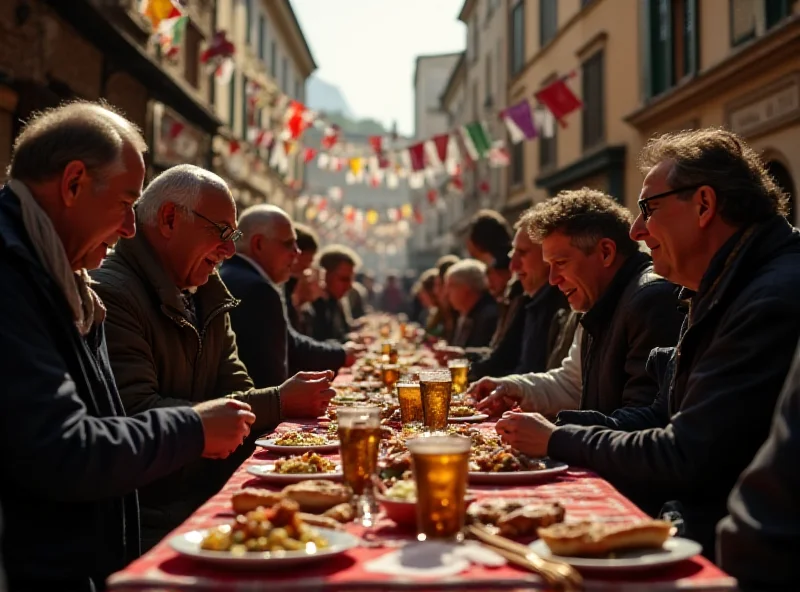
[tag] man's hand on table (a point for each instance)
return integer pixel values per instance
(226, 424)
(306, 394)
(493, 396)
(350, 351)
(527, 432)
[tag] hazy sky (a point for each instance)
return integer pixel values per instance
(367, 48)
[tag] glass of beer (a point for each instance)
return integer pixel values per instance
(435, 388)
(359, 442)
(390, 374)
(440, 465)
(386, 348)
(410, 398)
(458, 371)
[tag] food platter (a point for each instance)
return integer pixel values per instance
(270, 445)
(267, 473)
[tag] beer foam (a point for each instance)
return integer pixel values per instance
(439, 444)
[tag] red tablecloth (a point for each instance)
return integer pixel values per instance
(584, 495)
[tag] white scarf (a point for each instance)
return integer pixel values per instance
(83, 301)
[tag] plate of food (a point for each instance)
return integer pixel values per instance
(263, 538)
(300, 442)
(506, 465)
(601, 546)
(297, 468)
(465, 413)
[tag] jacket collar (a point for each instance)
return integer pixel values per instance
(605, 306)
(756, 245)
(139, 256)
(243, 261)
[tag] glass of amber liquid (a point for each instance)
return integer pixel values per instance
(359, 443)
(458, 371)
(410, 398)
(386, 348)
(390, 374)
(440, 466)
(435, 389)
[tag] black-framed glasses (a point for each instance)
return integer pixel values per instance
(645, 208)
(226, 233)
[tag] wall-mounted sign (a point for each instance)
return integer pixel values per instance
(767, 108)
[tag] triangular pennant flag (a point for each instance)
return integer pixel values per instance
(223, 71)
(309, 154)
(392, 181)
(453, 163)
(377, 143)
(545, 123)
(323, 161)
(519, 121)
(416, 154)
(476, 139)
(355, 166)
(498, 155)
(160, 10)
(559, 99)
(416, 180)
(432, 156)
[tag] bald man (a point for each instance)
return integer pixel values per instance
(268, 345)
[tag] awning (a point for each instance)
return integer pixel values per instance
(128, 55)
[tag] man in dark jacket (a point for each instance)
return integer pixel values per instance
(296, 288)
(536, 325)
(169, 332)
(267, 344)
(70, 460)
(627, 309)
(331, 319)
(713, 219)
(759, 542)
(467, 291)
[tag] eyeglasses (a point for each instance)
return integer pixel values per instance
(226, 233)
(645, 208)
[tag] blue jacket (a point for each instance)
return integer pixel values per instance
(268, 345)
(70, 461)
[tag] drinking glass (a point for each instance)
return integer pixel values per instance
(435, 389)
(390, 374)
(459, 369)
(410, 399)
(440, 466)
(359, 442)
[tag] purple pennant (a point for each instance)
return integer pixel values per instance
(522, 117)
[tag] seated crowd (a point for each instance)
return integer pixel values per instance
(152, 333)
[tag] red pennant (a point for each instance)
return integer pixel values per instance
(296, 121)
(417, 155)
(441, 142)
(417, 215)
(234, 147)
(331, 137)
(220, 47)
(377, 144)
(484, 186)
(432, 195)
(559, 99)
(309, 154)
(383, 162)
(175, 129)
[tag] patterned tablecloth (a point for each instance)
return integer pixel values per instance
(584, 495)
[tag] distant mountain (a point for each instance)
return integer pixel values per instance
(364, 127)
(324, 96)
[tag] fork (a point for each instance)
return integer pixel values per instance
(558, 574)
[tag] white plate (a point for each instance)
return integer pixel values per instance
(553, 468)
(674, 550)
(269, 444)
(188, 544)
(267, 473)
(468, 418)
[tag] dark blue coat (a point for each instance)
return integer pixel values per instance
(268, 345)
(70, 461)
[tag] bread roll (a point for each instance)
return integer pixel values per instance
(599, 538)
(250, 498)
(317, 495)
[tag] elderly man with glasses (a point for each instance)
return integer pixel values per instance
(170, 339)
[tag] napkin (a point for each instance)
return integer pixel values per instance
(434, 559)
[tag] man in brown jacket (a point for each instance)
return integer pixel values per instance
(169, 334)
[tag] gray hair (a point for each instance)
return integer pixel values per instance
(470, 273)
(181, 185)
(93, 133)
(260, 219)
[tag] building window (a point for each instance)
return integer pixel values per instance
(248, 21)
(518, 164)
(750, 18)
(593, 101)
(517, 39)
(547, 150)
(298, 90)
(245, 108)
(273, 61)
(488, 100)
(285, 75)
(548, 21)
(232, 103)
(262, 38)
(672, 43)
(191, 55)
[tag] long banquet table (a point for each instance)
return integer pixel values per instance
(583, 494)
